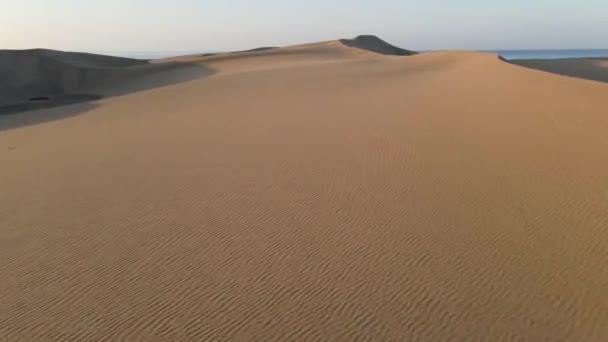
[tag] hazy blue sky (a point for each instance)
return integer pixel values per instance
(215, 25)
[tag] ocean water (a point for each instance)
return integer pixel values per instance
(508, 54)
(550, 54)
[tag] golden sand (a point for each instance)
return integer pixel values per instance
(310, 193)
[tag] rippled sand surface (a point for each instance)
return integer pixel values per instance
(312, 193)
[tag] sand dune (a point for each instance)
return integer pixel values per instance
(312, 193)
(44, 73)
(595, 69)
(375, 44)
(41, 78)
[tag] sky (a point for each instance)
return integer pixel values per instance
(225, 25)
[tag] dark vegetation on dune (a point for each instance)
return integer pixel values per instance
(377, 45)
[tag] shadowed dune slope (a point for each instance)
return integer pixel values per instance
(375, 44)
(64, 77)
(595, 69)
(26, 74)
(313, 193)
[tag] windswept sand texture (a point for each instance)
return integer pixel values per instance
(312, 193)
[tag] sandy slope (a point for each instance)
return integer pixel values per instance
(66, 77)
(595, 69)
(313, 193)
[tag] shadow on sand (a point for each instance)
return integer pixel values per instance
(45, 103)
(49, 113)
(594, 69)
(60, 106)
(152, 76)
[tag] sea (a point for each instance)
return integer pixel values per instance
(550, 54)
(507, 54)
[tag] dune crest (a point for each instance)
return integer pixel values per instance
(377, 45)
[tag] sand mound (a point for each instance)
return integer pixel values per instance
(82, 59)
(264, 48)
(40, 73)
(27, 77)
(595, 69)
(322, 51)
(377, 45)
(313, 193)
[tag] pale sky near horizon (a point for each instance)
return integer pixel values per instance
(222, 25)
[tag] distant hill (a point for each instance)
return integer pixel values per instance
(375, 44)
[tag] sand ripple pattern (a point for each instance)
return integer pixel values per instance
(357, 197)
